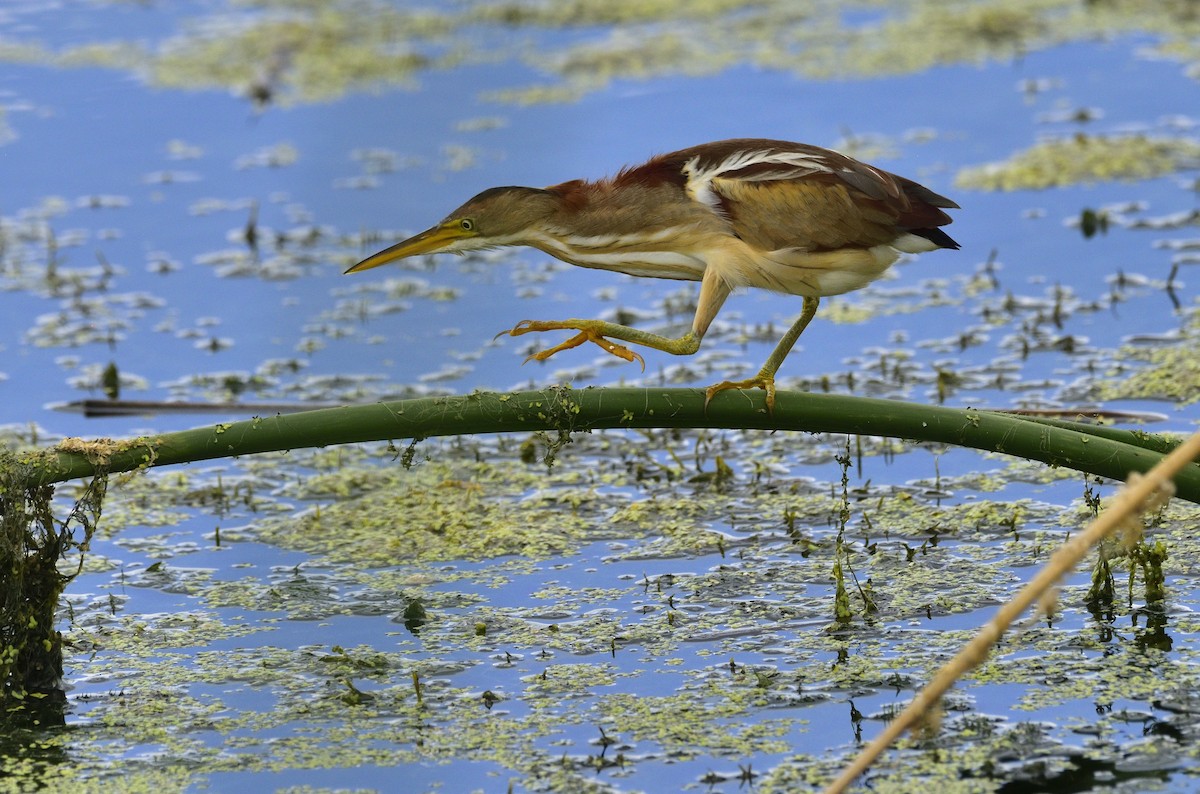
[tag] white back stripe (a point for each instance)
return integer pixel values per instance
(792, 165)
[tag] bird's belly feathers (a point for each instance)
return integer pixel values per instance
(791, 270)
(823, 273)
(808, 273)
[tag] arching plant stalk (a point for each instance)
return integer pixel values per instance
(25, 480)
(1095, 450)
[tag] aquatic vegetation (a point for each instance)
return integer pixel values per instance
(1170, 371)
(280, 51)
(657, 610)
(1085, 158)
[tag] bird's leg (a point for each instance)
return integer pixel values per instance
(765, 379)
(713, 291)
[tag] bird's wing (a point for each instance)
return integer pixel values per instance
(781, 195)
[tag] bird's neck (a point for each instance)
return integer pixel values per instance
(591, 227)
(631, 216)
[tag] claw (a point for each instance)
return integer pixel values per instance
(523, 327)
(518, 329)
(620, 351)
(760, 381)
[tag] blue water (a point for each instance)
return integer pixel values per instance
(100, 133)
(87, 132)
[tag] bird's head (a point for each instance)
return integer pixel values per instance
(497, 216)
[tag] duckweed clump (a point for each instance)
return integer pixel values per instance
(1166, 370)
(286, 52)
(1084, 158)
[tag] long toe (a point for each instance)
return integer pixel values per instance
(586, 334)
(611, 347)
(574, 341)
(531, 326)
(760, 381)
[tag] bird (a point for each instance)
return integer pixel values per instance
(789, 217)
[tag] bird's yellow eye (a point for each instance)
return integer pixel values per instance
(467, 225)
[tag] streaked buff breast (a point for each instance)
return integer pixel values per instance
(651, 254)
(793, 271)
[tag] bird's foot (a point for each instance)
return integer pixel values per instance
(586, 334)
(759, 381)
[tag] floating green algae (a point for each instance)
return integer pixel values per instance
(1084, 158)
(1166, 370)
(719, 659)
(280, 51)
(436, 512)
(308, 54)
(740, 594)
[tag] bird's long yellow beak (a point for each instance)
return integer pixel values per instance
(429, 241)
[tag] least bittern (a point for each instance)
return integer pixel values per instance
(783, 216)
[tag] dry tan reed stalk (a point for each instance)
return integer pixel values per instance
(1140, 493)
